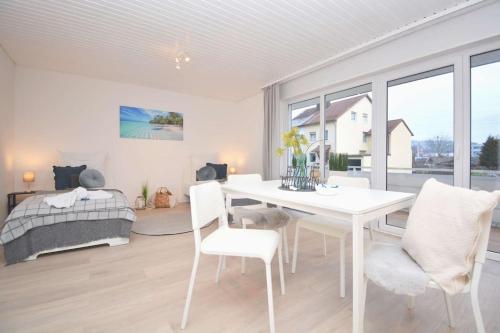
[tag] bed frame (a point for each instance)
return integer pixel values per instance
(110, 241)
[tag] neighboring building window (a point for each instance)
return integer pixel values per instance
(312, 136)
(365, 138)
(353, 116)
(312, 157)
(365, 117)
(354, 164)
(326, 134)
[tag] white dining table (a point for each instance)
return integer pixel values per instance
(359, 206)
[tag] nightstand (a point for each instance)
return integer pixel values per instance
(14, 198)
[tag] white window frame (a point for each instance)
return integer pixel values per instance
(460, 59)
(401, 72)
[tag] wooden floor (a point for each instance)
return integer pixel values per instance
(141, 287)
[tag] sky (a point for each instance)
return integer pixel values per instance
(427, 105)
(485, 103)
(131, 113)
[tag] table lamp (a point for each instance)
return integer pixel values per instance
(29, 177)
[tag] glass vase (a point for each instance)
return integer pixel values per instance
(300, 172)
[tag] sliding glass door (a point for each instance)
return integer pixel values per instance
(411, 123)
(348, 128)
(485, 131)
(305, 115)
(419, 133)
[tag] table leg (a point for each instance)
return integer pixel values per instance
(357, 275)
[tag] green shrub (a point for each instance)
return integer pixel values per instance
(338, 162)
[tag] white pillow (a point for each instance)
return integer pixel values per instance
(443, 230)
(91, 160)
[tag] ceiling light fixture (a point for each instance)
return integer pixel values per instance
(181, 58)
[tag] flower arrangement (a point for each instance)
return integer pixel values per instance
(293, 140)
(297, 177)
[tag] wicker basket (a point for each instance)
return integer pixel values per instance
(162, 198)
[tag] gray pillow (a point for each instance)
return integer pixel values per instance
(206, 173)
(91, 178)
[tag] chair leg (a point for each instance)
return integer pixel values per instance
(324, 245)
(219, 269)
(270, 297)
(285, 244)
(342, 267)
(411, 302)
(243, 258)
(190, 290)
(280, 263)
(476, 310)
(295, 247)
(449, 309)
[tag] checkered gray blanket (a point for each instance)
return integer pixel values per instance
(33, 212)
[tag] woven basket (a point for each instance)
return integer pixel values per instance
(162, 198)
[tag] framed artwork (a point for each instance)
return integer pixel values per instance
(140, 123)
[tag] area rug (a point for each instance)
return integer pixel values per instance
(163, 221)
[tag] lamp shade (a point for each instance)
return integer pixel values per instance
(28, 176)
(232, 170)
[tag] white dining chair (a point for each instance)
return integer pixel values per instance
(249, 179)
(330, 227)
(207, 204)
(391, 267)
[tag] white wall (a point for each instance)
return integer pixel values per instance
(6, 130)
(453, 32)
(57, 111)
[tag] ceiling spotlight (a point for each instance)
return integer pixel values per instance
(181, 58)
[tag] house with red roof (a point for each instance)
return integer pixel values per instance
(348, 130)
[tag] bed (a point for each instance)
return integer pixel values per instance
(34, 228)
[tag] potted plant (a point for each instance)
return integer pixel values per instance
(338, 164)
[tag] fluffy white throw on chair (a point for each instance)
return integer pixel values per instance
(65, 200)
(443, 231)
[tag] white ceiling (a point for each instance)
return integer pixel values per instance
(236, 46)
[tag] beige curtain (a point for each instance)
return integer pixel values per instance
(272, 118)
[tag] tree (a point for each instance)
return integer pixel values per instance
(488, 157)
(440, 145)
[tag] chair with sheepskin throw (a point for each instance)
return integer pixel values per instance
(258, 215)
(444, 247)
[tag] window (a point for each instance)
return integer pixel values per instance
(365, 117)
(326, 135)
(344, 135)
(305, 116)
(312, 137)
(419, 133)
(485, 131)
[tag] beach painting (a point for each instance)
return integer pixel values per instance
(140, 123)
